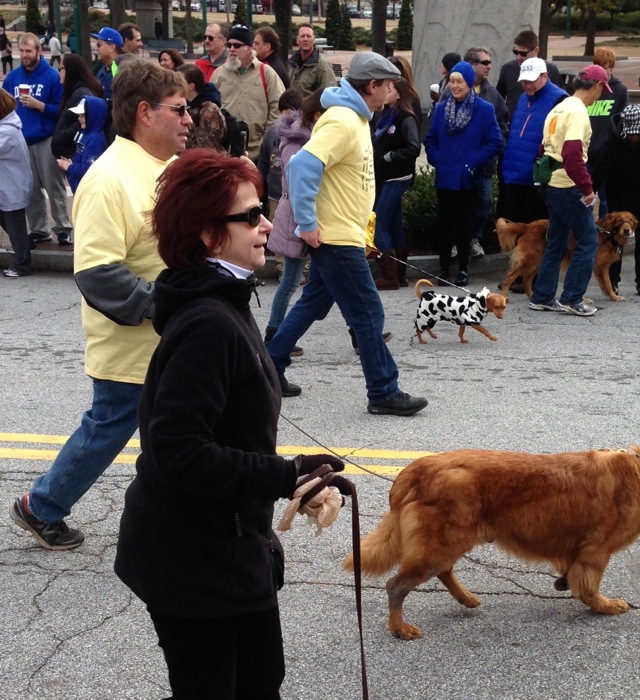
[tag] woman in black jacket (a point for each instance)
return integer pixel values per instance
(196, 542)
(78, 82)
(396, 145)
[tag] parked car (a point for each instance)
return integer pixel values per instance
(367, 13)
(296, 11)
(196, 6)
(175, 5)
(352, 10)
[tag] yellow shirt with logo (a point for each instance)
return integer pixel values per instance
(111, 227)
(342, 141)
(567, 121)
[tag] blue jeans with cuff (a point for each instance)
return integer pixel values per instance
(103, 433)
(341, 275)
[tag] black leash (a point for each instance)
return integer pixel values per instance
(445, 283)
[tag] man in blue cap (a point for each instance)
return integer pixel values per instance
(108, 42)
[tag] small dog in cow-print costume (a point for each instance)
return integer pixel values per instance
(463, 311)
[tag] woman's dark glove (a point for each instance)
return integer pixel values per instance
(305, 464)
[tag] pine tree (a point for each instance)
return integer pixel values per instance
(240, 16)
(333, 21)
(33, 19)
(345, 39)
(404, 39)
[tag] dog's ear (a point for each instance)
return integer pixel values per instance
(636, 449)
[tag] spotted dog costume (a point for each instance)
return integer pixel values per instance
(464, 311)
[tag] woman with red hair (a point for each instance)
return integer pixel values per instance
(196, 543)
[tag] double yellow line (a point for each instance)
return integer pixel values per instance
(43, 448)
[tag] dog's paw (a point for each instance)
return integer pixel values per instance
(561, 584)
(617, 297)
(406, 631)
(469, 600)
(612, 606)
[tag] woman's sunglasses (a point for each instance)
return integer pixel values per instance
(251, 216)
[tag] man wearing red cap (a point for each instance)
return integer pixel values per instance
(570, 197)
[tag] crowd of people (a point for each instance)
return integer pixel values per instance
(165, 256)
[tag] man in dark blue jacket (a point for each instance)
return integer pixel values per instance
(519, 199)
(38, 109)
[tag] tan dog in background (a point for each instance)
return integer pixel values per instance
(526, 243)
(573, 510)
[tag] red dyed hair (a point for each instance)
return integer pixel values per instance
(193, 194)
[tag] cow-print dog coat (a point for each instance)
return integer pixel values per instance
(463, 311)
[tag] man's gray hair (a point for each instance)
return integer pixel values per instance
(473, 55)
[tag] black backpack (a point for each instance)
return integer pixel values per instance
(237, 135)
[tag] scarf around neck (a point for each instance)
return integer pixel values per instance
(457, 120)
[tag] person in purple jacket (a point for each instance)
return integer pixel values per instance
(463, 138)
(38, 110)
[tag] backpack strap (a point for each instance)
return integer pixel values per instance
(264, 82)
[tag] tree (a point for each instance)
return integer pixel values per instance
(379, 26)
(240, 17)
(345, 38)
(118, 13)
(33, 19)
(333, 22)
(404, 39)
(282, 11)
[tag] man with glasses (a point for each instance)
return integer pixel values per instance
(308, 70)
(215, 45)
(482, 198)
(116, 262)
(249, 90)
(525, 46)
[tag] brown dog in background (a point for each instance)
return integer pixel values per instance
(573, 510)
(526, 243)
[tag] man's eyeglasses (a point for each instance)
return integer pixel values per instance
(524, 54)
(211, 38)
(234, 45)
(180, 110)
(484, 63)
(251, 216)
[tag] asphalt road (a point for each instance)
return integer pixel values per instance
(69, 630)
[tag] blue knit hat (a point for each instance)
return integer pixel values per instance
(466, 71)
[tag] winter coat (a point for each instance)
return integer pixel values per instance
(16, 181)
(45, 85)
(525, 134)
(460, 158)
(600, 114)
(90, 142)
(510, 87)
(63, 142)
(282, 239)
(395, 151)
(209, 128)
(307, 76)
(208, 419)
(278, 66)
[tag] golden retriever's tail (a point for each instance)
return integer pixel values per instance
(419, 284)
(508, 234)
(380, 549)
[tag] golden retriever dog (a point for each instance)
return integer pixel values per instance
(573, 510)
(526, 243)
(469, 310)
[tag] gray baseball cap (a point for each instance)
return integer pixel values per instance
(367, 65)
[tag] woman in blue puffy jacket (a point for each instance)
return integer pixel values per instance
(463, 138)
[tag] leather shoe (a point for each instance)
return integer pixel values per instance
(401, 404)
(287, 388)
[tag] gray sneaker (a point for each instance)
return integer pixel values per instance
(553, 305)
(475, 249)
(48, 535)
(581, 309)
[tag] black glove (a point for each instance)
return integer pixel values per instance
(307, 464)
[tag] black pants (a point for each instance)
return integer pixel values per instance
(15, 224)
(231, 658)
(521, 203)
(454, 213)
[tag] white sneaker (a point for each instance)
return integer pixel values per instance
(475, 249)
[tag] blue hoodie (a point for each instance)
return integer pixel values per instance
(305, 170)
(45, 86)
(90, 142)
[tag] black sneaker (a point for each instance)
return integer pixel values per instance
(64, 238)
(50, 536)
(401, 404)
(39, 237)
(287, 388)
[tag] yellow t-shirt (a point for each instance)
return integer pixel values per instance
(111, 227)
(342, 141)
(567, 121)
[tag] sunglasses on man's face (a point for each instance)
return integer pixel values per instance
(233, 45)
(484, 63)
(251, 216)
(520, 53)
(178, 109)
(210, 38)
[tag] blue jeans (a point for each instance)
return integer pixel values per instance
(340, 274)
(292, 269)
(103, 433)
(481, 200)
(567, 214)
(389, 233)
